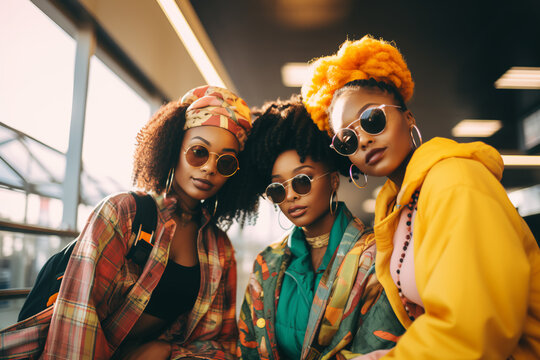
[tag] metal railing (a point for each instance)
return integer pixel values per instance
(18, 293)
(8, 294)
(35, 229)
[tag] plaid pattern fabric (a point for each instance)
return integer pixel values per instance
(25, 339)
(103, 294)
(349, 316)
(215, 106)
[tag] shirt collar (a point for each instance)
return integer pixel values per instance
(299, 249)
(167, 205)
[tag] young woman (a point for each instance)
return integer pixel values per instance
(181, 302)
(460, 266)
(309, 294)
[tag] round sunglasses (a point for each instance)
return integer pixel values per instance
(301, 184)
(198, 155)
(372, 121)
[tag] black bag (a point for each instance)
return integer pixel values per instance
(47, 285)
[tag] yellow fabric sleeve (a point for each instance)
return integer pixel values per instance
(472, 271)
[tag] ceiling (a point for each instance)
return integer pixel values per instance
(455, 50)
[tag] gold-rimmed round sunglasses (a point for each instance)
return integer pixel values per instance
(198, 155)
(301, 184)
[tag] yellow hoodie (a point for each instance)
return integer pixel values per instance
(477, 264)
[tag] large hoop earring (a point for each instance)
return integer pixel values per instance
(215, 207)
(418, 134)
(354, 176)
(279, 222)
(170, 180)
(333, 200)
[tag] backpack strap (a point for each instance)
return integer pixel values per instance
(144, 225)
(45, 290)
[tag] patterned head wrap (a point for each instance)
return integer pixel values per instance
(215, 106)
(356, 60)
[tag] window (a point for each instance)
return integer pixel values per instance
(114, 115)
(36, 73)
(37, 66)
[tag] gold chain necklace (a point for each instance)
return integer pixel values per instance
(318, 241)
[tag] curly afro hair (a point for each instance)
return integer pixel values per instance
(280, 126)
(362, 59)
(157, 152)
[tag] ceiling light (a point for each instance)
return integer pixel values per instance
(519, 78)
(521, 160)
(531, 130)
(190, 41)
(295, 74)
(476, 128)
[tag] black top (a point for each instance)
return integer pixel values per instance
(176, 291)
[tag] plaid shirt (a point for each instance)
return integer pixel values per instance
(103, 294)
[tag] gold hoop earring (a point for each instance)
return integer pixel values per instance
(279, 222)
(215, 207)
(355, 176)
(170, 180)
(418, 134)
(333, 200)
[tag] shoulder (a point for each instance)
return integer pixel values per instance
(366, 237)
(365, 244)
(458, 172)
(273, 255)
(278, 247)
(114, 209)
(458, 184)
(109, 225)
(118, 202)
(118, 211)
(222, 240)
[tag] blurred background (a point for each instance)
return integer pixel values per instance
(78, 78)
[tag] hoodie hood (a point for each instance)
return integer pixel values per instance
(427, 156)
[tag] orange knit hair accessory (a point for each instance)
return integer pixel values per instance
(355, 60)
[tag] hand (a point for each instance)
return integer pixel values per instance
(156, 349)
(374, 355)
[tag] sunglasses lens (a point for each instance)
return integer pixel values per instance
(227, 165)
(345, 142)
(197, 155)
(301, 184)
(373, 121)
(275, 192)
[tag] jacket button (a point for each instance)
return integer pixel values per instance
(261, 323)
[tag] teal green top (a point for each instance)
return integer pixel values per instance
(299, 286)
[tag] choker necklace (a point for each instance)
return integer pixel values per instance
(410, 207)
(186, 214)
(318, 241)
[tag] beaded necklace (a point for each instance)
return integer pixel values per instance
(411, 207)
